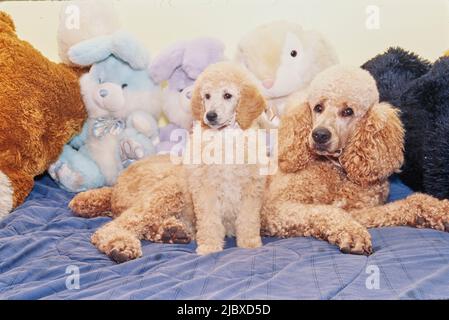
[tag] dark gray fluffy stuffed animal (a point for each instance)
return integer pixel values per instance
(421, 91)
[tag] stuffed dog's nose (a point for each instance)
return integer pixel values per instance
(103, 93)
(268, 83)
(211, 116)
(321, 135)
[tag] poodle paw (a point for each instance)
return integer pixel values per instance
(249, 243)
(433, 213)
(120, 246)
(62, 173)
(131, 150)
(205, 249)
(175, 234)
(354, 239)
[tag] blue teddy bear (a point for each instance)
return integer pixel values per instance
(122, 103)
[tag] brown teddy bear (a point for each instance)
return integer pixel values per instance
(40, 110)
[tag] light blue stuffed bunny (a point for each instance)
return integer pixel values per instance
(122, 103)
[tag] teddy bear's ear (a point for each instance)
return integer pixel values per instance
(6, 23)
(121, 44)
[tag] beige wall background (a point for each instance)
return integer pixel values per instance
(418, 25)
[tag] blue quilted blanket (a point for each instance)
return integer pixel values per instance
(45, 253)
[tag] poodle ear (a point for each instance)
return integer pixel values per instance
(376, 150)
(196, 103)
(251, 106)
(294, 131)
(165, 64)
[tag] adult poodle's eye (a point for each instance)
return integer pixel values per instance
(124, 85)
(348, 112)
(207, 96)
(227, 96)
(318, 108)
(294, 53)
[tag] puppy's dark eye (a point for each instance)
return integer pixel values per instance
(348, 112)
(227, 96)
(124, 85)
(294, 53)
(207, 96)
(318, 108)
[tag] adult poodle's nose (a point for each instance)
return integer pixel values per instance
(321, 135)
(103, 93)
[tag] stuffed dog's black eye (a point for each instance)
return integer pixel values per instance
(207, 96)
(227, 96)
(124, 85)
(318, 108)
(294, 53)
(348, 112)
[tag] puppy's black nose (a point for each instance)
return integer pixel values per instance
(211, 116)
(321, 135)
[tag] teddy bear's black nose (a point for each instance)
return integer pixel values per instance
(321, 135)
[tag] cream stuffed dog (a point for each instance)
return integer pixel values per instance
(283, 58)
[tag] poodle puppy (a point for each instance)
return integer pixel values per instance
(226, 195)
(337, 147)
(226, 198)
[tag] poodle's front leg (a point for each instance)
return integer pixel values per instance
(291, 219)
(418, 210)
(247, 224)
(210, 232)
(120, 238)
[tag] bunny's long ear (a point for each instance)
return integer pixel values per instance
(90, 51)
(376, 150)
(167, 62)
(126, 47)
(294, 131)
(121, 44)
(200, 53)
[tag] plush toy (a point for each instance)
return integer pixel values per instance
(283, 58)
(40, 111)
(180, 65)
(421, 91)
(122, 104)
(82, 20)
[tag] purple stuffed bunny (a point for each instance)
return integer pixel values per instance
(180, 65)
